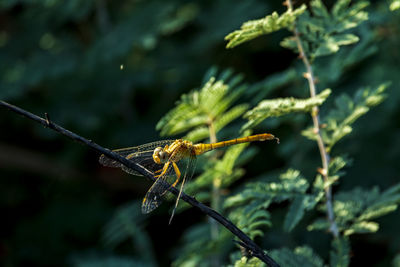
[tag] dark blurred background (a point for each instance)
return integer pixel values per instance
(109, 70)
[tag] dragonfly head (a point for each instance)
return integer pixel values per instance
(160, 156)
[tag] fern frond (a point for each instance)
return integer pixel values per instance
(354, 210)
(197, 134)
(396, 261)
(340, 253)
(337, 164)
(202, 132)
(332, 68)
(198, 249)
(212, 103)
(249, 262)
(339, 120)
(291, 183)
(363, 227)
(258, 196)
(127, 223)
(282, 106)
(301, 256)
(255, 28)
(123, 225)
(394, 5)
(296, 212)
(322, 32)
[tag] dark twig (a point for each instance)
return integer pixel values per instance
(246, 242)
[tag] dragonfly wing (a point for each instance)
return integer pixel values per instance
(153, 197)
(190, 167)
(142, 155)
(145, 160)
(189, 171)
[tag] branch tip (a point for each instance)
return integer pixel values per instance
(46, 115)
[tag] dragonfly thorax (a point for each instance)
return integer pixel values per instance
(160, 156)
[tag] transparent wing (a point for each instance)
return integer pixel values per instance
(154, 196)
(142, 155)
(190, 167)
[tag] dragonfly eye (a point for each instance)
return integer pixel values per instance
(160, 156)
(163, 156)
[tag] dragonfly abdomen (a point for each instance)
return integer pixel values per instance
(202, 148)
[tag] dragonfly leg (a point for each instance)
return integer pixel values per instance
(164, 170)
(178, 173)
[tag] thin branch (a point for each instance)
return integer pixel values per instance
(256, 251)
(309, 75)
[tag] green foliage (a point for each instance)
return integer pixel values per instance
(252, 262)
(394, 5)
(127, 224)
(337, 123)
(355, 209)
(322, 32)
(199, 249)
(340, 253)
(211, 104)
(300, 256)
(396, 261)
(271, 23)
(248, 208)
(331, 69)
(282, 106)
(335, 169)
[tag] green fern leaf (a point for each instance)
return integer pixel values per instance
(361, 228)
(301, 256)
(340, 253)
(198, 249)
(394, 5)
(396, 261)
(255, 28)
(127, 223)
(282, 106)
(355, 209)
(295, 213)
(338, 122)
(211, 104)
(322, 32)
(258, 196)
(252, 262)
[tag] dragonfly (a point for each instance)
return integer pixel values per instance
(170, 161)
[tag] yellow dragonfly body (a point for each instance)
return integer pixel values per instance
(169, 160)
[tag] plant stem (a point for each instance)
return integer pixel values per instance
(309, 75)
(215, 195)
